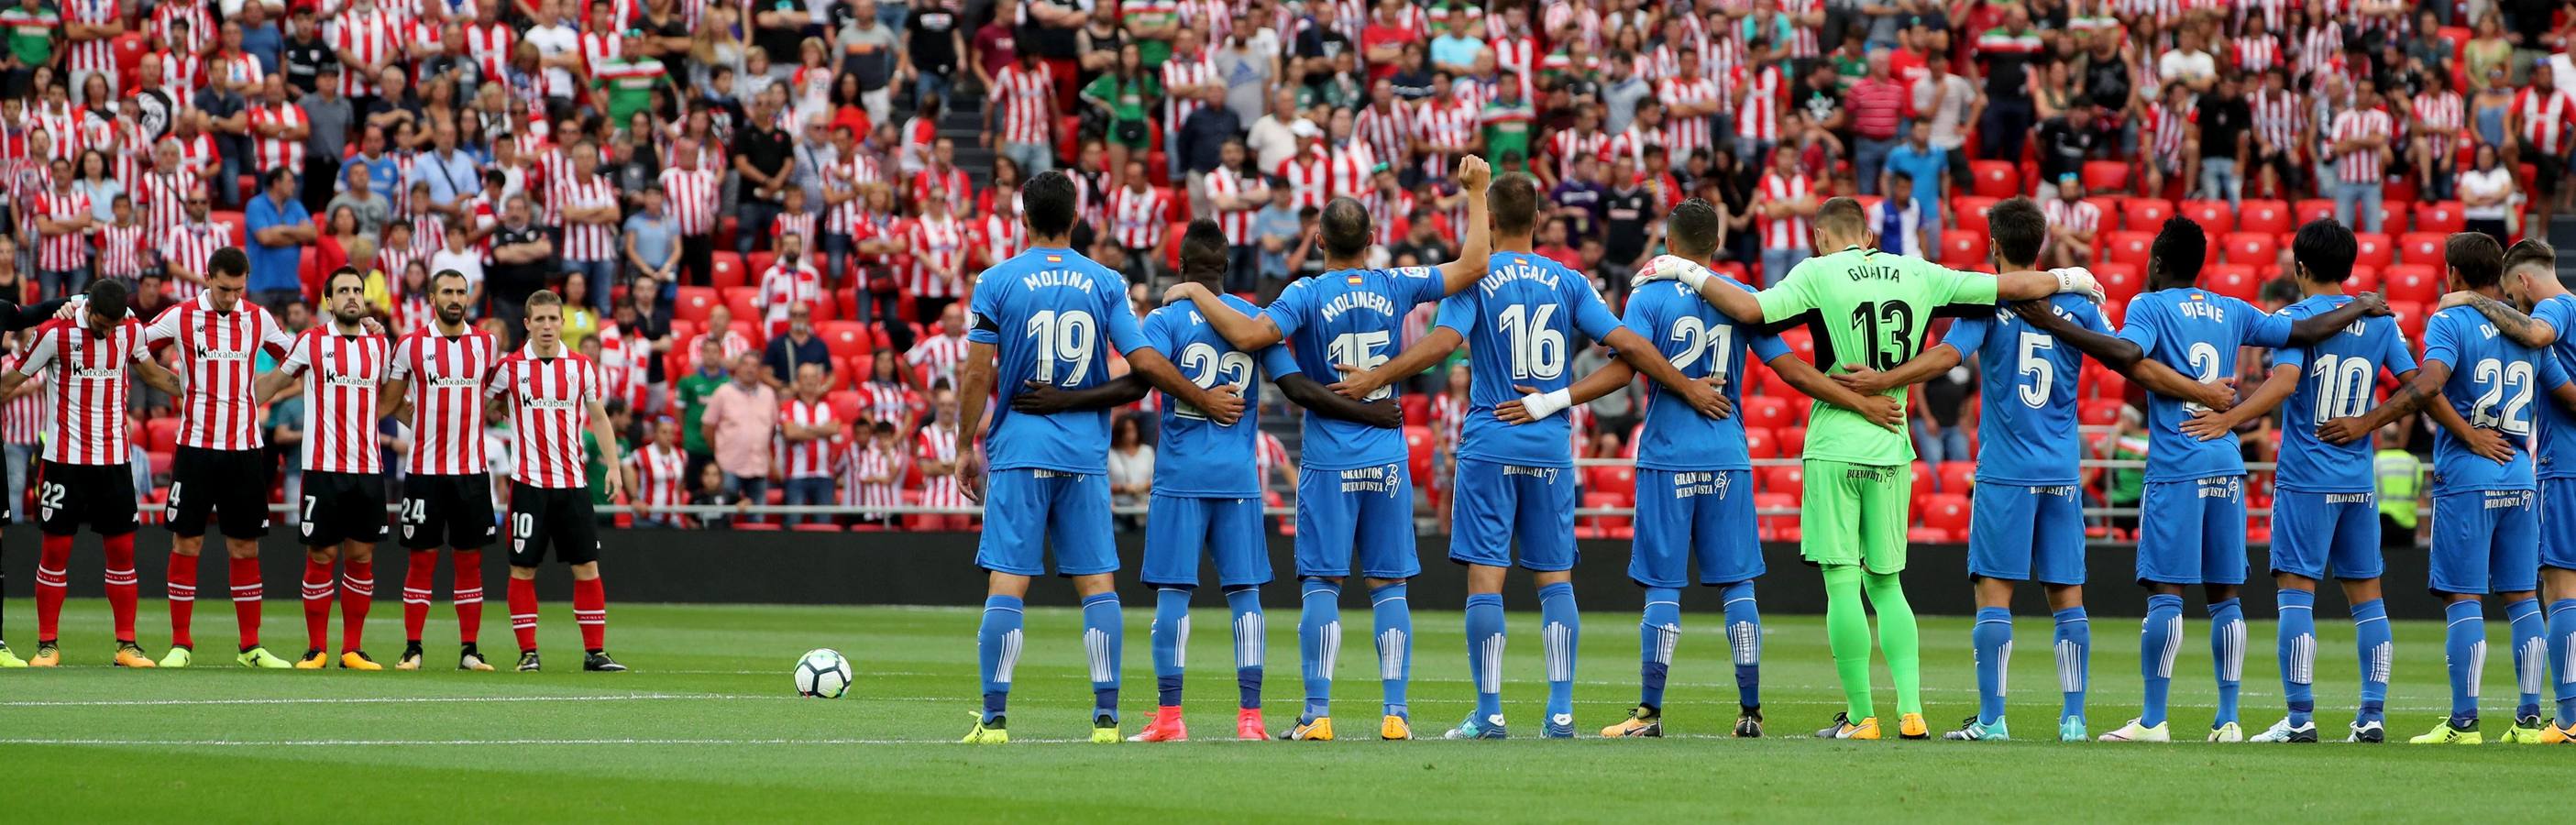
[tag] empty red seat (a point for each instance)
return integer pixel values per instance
(1621, 482)
(744, 301)
(726, 269)
(1948, 513)
(2411, 316)
(2313, 209)
(2441, 217)
(2119, 280)
(2364, 279)
(2264, 216)
(1769, 412)
(2214, 217)
(2104, 382)
(1598, 526)
(2420, 248)
(2098, 412)
(2109, 207)
(1971, 211)
(1782, 478)
(1793, 441)
(2252, 248)
(2413, 282)
(2232, 280)
(695, 303)
(2392, 213)
(2145, 214)
(2374, 249)
(1995, 178)
(1958, 476)
(1778, 518)
(2105, 176)
(1961, 248)
(2128, 247)
(1759, 444)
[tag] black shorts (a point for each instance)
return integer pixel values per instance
(233, 484)
(99, 495)
(450, 510)
(2545, 168)
(542, 517)
(340, 507)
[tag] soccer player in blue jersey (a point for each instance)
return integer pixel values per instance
(1353, 494)
(1206, 490)
(2193, 528)
(1052, 316)
(2486, 522)
(1517, 482)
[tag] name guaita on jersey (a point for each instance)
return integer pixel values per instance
(2228, 487)
(1380, 479)
(1874, 272)
(1692, 485)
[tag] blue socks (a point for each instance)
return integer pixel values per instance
(2227, 646)
(1559, 630)
(1392, 620)
(2297, 652)
(1659, 632)
(1104, 640)
(2562, 648)
(2159, 641)
(1244, 603)
(1171, 637)
(1992, 637)
(2074, 658)
(2530, 660)
(997, 651)
(2464, 652)
(2378, 648)
(1319, 643)
(1485, 651)
(1744, 640)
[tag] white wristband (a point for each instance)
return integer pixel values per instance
(1543, 404)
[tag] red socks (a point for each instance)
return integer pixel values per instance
(247, 593)
(120, 584)
(523, 611)
(357, 594)
(317, 604)
(418, 574)
(182, 590)
(590, 610)
(52, 559)
(469, 595)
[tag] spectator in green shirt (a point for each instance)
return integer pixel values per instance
(1508, 120)
(1126, 93)
(693, 391)
(620, 420)
(1151, 24)
(32, 29)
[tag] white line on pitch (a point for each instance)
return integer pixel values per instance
(367, 700)
(298, 743)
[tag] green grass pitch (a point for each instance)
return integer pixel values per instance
(707, 728)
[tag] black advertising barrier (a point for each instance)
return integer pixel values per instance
(754, 567)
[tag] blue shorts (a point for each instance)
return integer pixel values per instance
(2192, 531)
(1367, 511)
(2558, 523)
(1027, 510)
(2486, 541)
(1230, 528)
(1495, 502)
(2316, 532)
(2021, 533)
(1704, 515)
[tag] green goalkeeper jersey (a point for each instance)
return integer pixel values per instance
(1874, 308)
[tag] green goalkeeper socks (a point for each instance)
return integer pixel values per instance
(1847, 631)
(1898, 639)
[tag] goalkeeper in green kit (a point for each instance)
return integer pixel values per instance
(1874, 309)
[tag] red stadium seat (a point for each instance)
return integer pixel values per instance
(2441, 217)
(2364, 279)
(2413, 282)
(1995, 178)
(1793, 441)
(2392, 215)
(1782, 527)
(1599, 526)
(2214, 217)
(2264, 216)
(756, 265)
(2232, 280)
(1620, 482)
(695, 304)
(1958, 476)
(1971, 211)
(1417, 446)
(845, 405)
(1758, 443)
(2109, 207)
(2145, 214)
(2128, 247)
(2105, 176)
(2103, 382)
(2375, 250)
(1962, 248)
(727, 269)
(1948, 513)
(1770, 412)
(2119, 280)
(1417, 407)
(2098, 412)
(161, 434)
(745, 303)
(1786, 479)
(2411, 316)
(2312, 210)
(2421, 248)
(2252, 248)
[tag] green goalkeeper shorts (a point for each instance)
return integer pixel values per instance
(1855, 514)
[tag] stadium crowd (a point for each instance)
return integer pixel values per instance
(763, 217)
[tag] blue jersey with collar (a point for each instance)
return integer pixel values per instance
(1200, 458)
(2494, 383)
(2555, 456)
(1356, 317)
(2026, 427)
(1700, 342)
(1519, 323)
(2336, 379)
(1053, 316)
(2197, 333)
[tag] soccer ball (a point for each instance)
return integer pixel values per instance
(822, 674)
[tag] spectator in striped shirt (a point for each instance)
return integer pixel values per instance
(806, 428)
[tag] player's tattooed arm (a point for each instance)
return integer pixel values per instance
(1042, 398)
(1922, 367)
(1311, 394)
(1247, 333)
(2127, 358)
(2277, 386)
(1435, 346)
(2409, 397)
(2509, 322)
(1883, 410)
(160, 378)
(2317, 327)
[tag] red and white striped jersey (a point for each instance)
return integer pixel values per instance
(69, 250)
(692, 199)
(2076, 216)
(163, 199)
(1308, 179)
(2361, 165)
(372, 38)
(1448, 414)
(198, 155)
(1569, 144)
(1136, 218)
(805, 459)
(120, 251)
(588, 241)
(490, 47)
(89, 389)
(1759, 117)
(189, 246)
(941, 353)
(2274, 14)
(1788, 232)
(1631, 144)
(219, 359)
(550, 402)
(2319, 47)
(1802, 40)
(938, 443)
(1347, 170)
(278, 153)
(2166, 127)
(889, 401)
(1237, 223)
(2279, 119)
(661, 476)
(1683, 135)
(846, 177)
(1022, 96)
(444, 378)
(341, 374)
(938, 257)
(1388, 133)
(1389, 217)
(1178, 71)
(2257, 53)
(235, 71)
(1518, 55)
(201, 25)
(1453, 124)
(97, 55)
(1270, 452)
(25, 419)
(2545, 117)
(599, 49)
(999, 237)
(2440, 111)
(781, 289)
(861, 461)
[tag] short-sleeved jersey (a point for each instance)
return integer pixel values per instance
(2026, 426)
(89, 388)
(1700, 342)
(1519, 323)
(443, 379)
(2336, 380)
(1350, 316)
(550, 402)
(218, 355)
(2494, 384)
(1201, 458)
(1053, 316)
(1873, 309)
(341, 374)
(2197, 333)
(2555, 454)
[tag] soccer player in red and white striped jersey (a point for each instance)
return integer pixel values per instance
(85, 475)
(343, 364)
(658, 477)
(435, 384)
(806, 432)
(554, 394)
(2360, 138)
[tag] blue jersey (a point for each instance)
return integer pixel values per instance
(1351, 316)
(1201, 458)
(1519, 323)
(2196, 333)
(2494, 384)
(1054, 316)
(2026, 427)
(1700, 342)
(2336, 378)
(2555, 457)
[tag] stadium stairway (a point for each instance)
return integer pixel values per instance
(2562, 233)
(963, 124)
